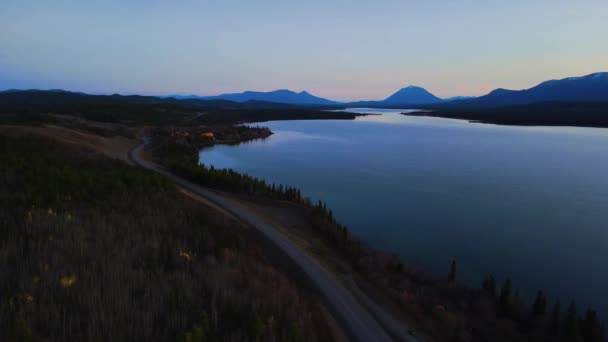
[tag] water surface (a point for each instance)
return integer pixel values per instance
(530, 203)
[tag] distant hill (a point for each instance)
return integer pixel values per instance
(590, 88)
(41, 91)
(458, 98)
(34, 105)
(557, 113)
(412, 95)
(184, 97)
(277, 96)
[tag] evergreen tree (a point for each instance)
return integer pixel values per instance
(554, 321)
(590, 328)
(452, 274)
(492, 286)
(570, 328)
(540, 304)
(505, 296)
(489, 285)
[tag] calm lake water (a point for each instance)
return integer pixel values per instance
(530, 203)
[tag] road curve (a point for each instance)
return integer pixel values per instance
(355, 318)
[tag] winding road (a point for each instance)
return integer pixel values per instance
(359, 315)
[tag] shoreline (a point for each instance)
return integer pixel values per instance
(524, 300)
(518, 118)
(348, 312)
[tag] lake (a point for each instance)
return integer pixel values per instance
(530, 203)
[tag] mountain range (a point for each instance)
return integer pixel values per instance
(409, 95)
(277, 96)
(589, 88)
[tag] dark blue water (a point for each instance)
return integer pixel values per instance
(530, 203)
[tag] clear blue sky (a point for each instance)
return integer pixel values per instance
(344, 50)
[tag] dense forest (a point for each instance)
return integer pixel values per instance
(440, 306)
(150, 110)
(94, 249)
(246, 115)
(582, 114)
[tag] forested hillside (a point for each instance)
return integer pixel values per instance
(94, 249)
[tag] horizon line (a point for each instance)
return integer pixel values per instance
(172, 94)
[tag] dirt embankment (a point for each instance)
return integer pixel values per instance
(116, 147)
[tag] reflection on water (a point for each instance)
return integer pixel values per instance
(526, 202)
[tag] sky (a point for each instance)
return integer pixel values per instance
(342, 50)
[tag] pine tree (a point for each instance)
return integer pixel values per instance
(554, 322)
(540, 304)
(570, 328)
(489, 285)
(484, 283)
(452, 274)
(590, 328)
(505, 296)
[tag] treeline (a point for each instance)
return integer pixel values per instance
(337, 235)
(230, 180)
(244, 115)
(564, 113)
(92, 249)
(113, 108)
(171, 145)
(550, 323)
(321, 216)
(151, 110)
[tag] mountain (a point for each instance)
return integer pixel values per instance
(407, 97)
(412, 95)
(184, 97)
(278, 96)
(457, 98)
(589, 88)
(41, 91)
